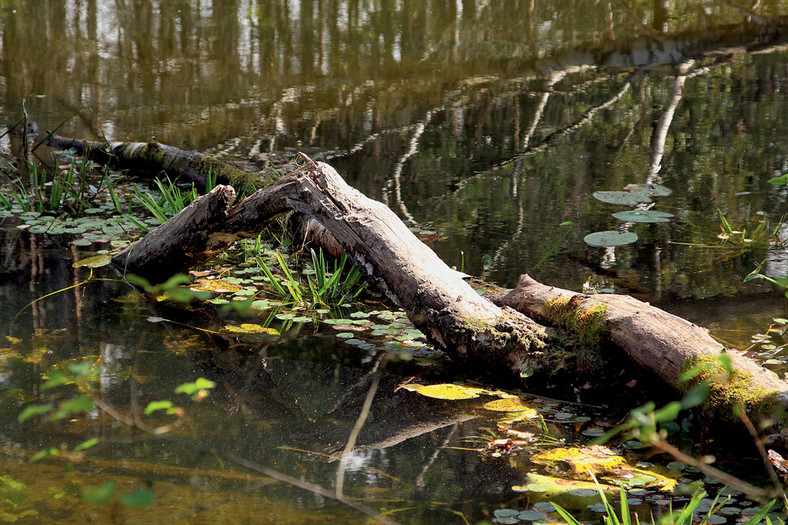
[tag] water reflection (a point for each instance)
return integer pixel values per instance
(485, 124)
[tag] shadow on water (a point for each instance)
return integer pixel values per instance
(484, 125)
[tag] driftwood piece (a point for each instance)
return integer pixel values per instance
(661, 343)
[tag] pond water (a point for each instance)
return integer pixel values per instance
(486, 126)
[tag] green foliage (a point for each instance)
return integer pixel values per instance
(554, 247)
(687, 515)
(140, 498)
(173, 289)
(101, 494)
(171, 201)
(337, 286)
(324, 287)
(781, 283)
(153, 406)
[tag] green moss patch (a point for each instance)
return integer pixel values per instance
(587, 324)
(731, 389)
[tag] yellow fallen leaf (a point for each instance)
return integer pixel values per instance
(449, 391)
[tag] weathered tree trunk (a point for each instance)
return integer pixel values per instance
(438, 301)
(661, 343)
(189, 236)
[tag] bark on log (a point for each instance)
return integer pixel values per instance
(189, 236)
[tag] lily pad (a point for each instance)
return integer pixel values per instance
(650, 216)
(507, 404)
(94, 262)
(624, 198)
(250, 328)
(654, 190)
(610, 238)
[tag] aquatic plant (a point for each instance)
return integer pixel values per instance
(172, 199)
(689, 514)
(323, 286)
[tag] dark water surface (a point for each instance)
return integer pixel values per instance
(487, 123)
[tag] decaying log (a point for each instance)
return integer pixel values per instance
(501, 334)
(438, 301)
(661, 343)
(189, 236)
(183, 165)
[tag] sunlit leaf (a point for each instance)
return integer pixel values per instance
(153, 406)
(250, 328)
(93, 262)
(667, 413)
(696, 395)
(191, 388)
(38, 456)
(83, 369)
(610, 238)
(449, 391)
(596, 458)
(782, 180)
(92, 442)
(55, 379)
(101, 494)
(216, 286)
(508, 404)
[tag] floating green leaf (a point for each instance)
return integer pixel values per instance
(654, 190)
(782, 180)
(643, 216)
(624, 198)
(610, 238)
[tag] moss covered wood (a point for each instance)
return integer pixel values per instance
(659, 342)
(179, 164)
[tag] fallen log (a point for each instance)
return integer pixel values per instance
(661, 343)
(501, 334)
(438, 301)
(184, 165)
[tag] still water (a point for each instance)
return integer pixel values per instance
(487, 125)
